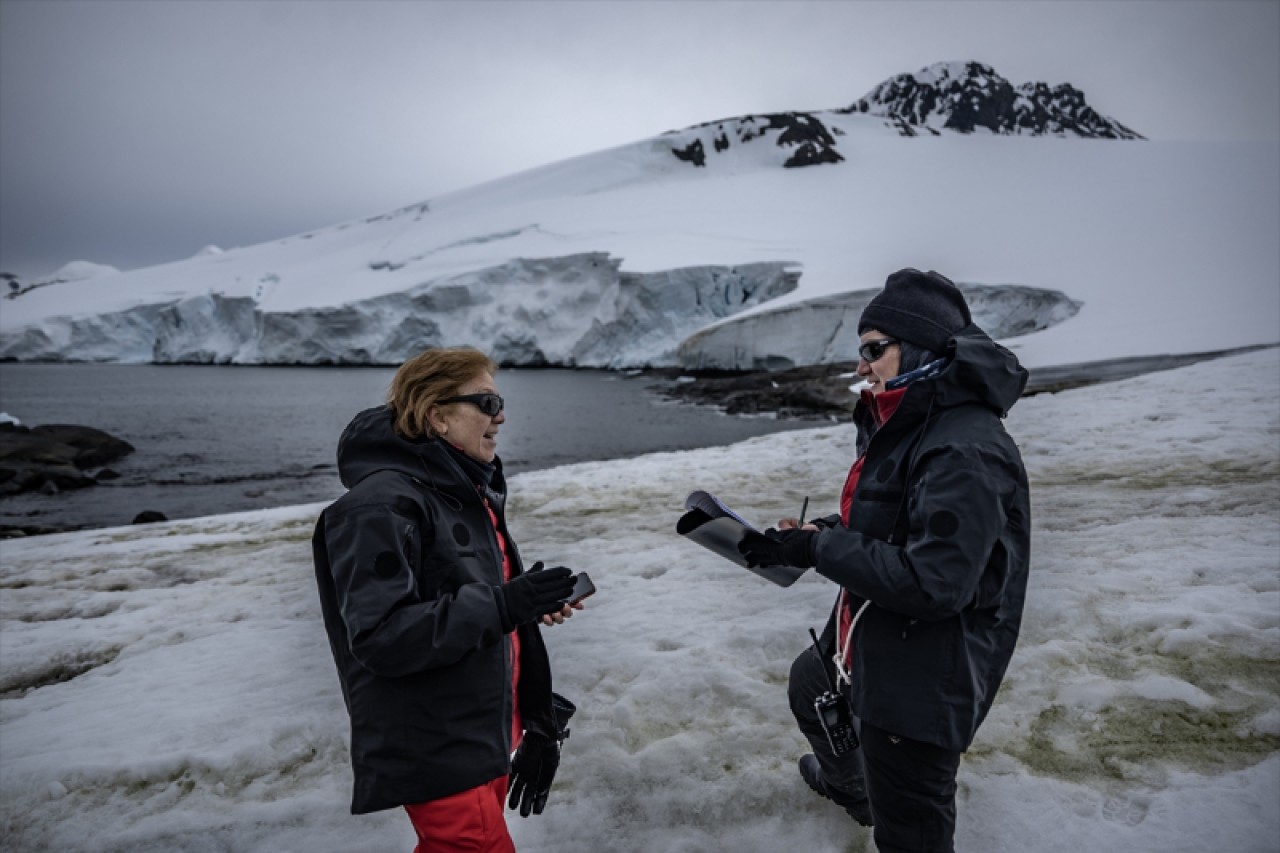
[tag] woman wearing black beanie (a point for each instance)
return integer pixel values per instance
(930, 549)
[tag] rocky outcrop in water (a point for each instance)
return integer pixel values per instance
(54, 457)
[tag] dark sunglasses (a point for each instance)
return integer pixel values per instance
(873, 350)
(490, 404)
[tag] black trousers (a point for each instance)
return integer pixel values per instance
(911, 785)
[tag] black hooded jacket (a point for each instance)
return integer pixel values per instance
(939, 542)
(410, 572)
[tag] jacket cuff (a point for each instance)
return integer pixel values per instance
(815, 550)
(562, 709)
(811, 547)
(500, 598)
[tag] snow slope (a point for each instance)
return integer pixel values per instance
(169, 688)
(624, 236)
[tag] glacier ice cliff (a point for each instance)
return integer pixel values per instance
(575, 310)
(825, 330)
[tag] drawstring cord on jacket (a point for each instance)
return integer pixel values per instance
(843, 674)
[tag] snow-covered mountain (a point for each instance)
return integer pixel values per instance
(949, 96)
(73, 271)
(632, 255)
(970, 96)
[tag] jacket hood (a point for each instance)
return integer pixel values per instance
(370, 443)
(980, 371)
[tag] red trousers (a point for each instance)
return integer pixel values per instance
(470, 821)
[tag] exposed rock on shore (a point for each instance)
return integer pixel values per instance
(822, 391)
(818, 391)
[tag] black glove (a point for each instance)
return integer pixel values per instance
(535, 763)
(793, 547)
(536, 593)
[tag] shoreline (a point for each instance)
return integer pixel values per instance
(814, 396)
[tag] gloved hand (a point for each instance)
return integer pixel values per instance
(535, 763)
(792, 547)
(536, 593)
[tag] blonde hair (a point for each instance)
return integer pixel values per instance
(429, 376)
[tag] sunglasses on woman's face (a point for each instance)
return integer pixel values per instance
(490, 404)
(873, 350)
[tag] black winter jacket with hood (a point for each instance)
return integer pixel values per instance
(939, 542)
(410, 573)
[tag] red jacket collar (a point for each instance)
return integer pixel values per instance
(883, 405)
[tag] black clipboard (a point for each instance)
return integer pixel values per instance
(719, 529)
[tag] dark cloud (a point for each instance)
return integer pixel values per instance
(134, 133)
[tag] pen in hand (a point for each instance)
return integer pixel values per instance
(803, 509)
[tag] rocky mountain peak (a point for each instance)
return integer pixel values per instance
(808, 141)
(966, 96)
(961, 97)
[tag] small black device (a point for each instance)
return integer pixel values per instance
(582, 587)
(834, 712)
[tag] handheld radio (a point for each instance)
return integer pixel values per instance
(834, 712)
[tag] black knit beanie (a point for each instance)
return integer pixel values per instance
(921, 308)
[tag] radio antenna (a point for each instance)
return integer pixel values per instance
(830, 682)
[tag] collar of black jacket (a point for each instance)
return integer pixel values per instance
(480, 473)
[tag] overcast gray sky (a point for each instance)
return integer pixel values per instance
(134, 133)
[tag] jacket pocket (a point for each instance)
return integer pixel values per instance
(875, 511)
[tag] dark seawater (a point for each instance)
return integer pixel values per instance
(215, 439)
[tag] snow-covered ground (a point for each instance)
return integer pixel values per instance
(169, 687)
